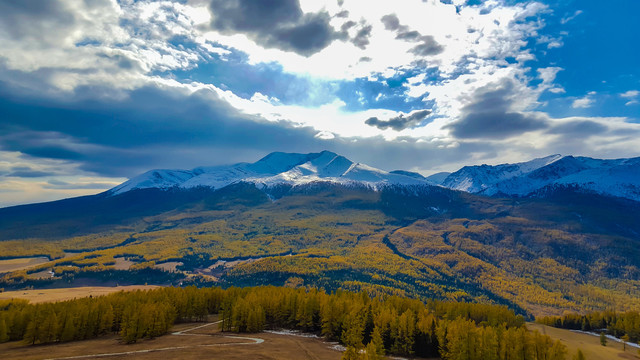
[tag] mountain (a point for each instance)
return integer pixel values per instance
(438, 178)
(321, 220)
(540, 177)
(275, 169)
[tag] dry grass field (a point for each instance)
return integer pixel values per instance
(188, 341)
(10, 265)
(590, 345)
(51, 295)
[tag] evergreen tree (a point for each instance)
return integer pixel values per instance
(625, 340)
(579, 355)
(68, 329)
(603, 339)
(4, 333)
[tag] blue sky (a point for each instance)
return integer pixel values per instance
(93, 92)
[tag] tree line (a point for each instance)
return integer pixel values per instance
(618, 324)
(369, 326)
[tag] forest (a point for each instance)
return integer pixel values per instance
(368, 325)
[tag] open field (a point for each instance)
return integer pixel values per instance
(187, 341)
(10, 265)
(51, 295)
(590, 345)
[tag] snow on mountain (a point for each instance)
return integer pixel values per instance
(275, 168)
(477, 178)
(438, 178)
(620, 177)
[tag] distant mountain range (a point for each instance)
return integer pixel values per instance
(535, 178)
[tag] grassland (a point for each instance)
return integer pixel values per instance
(187, 341)
(9, 265)
(52, 295)
(589, 344)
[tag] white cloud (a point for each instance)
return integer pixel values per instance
(584, 102)
(630, 94)
(569, 18)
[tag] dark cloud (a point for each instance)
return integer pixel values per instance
(391, 22)
(149, 128)
(488, 115)
(399, 122)
(579, 127)
(408, 35)
(29, 174)
(347, 25)
(274, 23)
(428, 45)
(35, 20)
(361, 39)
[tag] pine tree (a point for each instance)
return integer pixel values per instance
(625, 340)
(4, 333)
(579, 355)
(68, 329)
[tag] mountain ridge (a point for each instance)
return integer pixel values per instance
(273, 169)
(615, 177)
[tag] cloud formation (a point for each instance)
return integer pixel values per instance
(399, 122)
(427, 44)
(279, 24)
(490, 115)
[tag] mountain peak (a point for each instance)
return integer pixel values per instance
(275, 168)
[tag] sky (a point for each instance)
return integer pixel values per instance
(93, 92)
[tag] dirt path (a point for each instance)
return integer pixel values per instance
(252, 340)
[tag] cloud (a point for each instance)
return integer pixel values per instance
(150, 127)
(29, 174)
(428, 45)
(490, 115)
(274, 24)
(579, 128)
(632, 95)
(569, 18)
(584, 102)
(43, 22)
(391, 22)
(361, 40)
(58, 184)
(400, 122)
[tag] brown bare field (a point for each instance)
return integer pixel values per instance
(170, 266)
(52, 295)
(188, 341)
(10, 265)
(122, 263)
(589, 344)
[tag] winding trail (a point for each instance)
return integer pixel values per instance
(250, 341)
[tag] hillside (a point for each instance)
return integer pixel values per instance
(572, 251)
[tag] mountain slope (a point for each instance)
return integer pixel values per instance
(618, 178)
(322, 220)
(274, 169)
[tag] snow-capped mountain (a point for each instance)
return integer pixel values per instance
(275, 168)
(619, 177)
